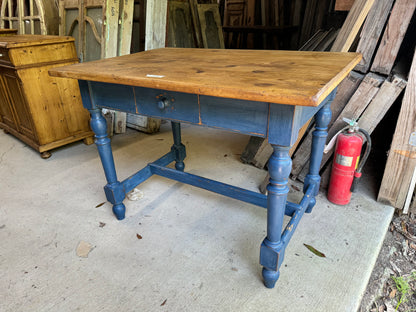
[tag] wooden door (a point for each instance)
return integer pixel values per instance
(19, 104)
(6, 113)
(211, 29)
(71, 21)
(180, 26)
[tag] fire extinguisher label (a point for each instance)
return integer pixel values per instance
(344, 160)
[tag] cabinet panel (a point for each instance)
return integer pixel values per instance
(6, 115)
(23, 119)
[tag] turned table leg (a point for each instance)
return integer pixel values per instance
(114, 190)
(178, 147)
(322, 119)
(272, 249)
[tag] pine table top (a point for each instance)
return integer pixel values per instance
(283, 77)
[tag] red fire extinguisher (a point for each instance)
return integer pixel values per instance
(346, 167)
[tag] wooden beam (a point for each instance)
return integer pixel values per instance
(371, 32)
(156, 14)
(401, 161)
(393, 36)
(343, 5)
(384, 99)
(352, 25)
(110, 35)
(126, 26)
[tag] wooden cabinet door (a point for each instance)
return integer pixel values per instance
(6, 112)
(21, 109)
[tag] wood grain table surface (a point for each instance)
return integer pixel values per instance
(283, 77)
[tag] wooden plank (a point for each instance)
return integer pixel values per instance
(371, 32)
(345, 90)
(251, 149)
(384, 99)
(110, 33)
(343, 5)
(412, 208)
(155, 37)
(211, 30)
(120, 122)
(401, 161)
(263, 154)
(126, 26)
(391, 41)
(352, 25)
(156, 12)
(314, 41)
(284, 77)
(328, 40)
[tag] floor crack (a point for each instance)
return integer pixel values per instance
(5, 152)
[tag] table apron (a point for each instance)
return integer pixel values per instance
(277, 122)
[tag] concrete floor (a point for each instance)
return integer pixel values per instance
(199, 251)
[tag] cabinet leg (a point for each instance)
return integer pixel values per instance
(88, 140)
(45, 155)
(178, 147)
(272, 249)
(114, 190)
(322, 119)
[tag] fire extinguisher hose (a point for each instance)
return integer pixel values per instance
(357, 174)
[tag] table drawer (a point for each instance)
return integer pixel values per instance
(146, 101)
(236, 115)
(167, 105)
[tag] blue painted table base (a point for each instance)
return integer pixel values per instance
(273, 247)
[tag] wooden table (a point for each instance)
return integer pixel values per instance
(270, 94)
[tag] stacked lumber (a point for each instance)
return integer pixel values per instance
(371, 89)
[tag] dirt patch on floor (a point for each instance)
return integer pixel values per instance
(392, 286)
